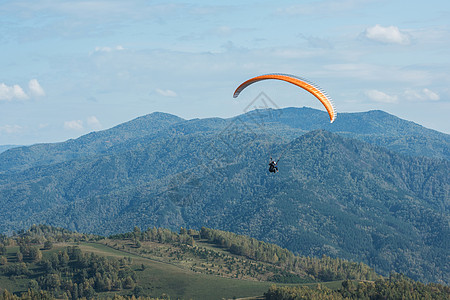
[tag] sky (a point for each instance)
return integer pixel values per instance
(68, 68)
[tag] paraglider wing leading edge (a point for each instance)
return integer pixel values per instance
(300, 82)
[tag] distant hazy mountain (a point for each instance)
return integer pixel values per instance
(375, 127)
(335, 194)
(3, 148)
(94, 143)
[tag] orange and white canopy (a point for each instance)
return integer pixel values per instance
(300, 82)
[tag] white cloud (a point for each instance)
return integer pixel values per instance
(421, 95)
(109, 49)
(379, 96)
(409, 94)
(166, 93)
(93, 123)
(35, 88)
(16, 92)
(74, 125)
(12, 92)
(9, 129)
(388, 35)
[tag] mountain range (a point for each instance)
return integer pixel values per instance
(370, 187)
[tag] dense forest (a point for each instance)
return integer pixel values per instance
(71, 273)
(67, 272)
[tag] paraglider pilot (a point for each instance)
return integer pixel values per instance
(273, 168)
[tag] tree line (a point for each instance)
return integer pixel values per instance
(160, 235)
(43, 295)
(396, 286)
(323, 269)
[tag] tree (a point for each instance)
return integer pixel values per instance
(128, 283)
(35, 254)
(52, 281)
(48, 245)
(19, 256)
(138, 291)
(64, 259)
(89, 293)
(137, 234)
(33, 285)
(75, 292)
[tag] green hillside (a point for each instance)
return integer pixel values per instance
(154, 263)
(46, 263)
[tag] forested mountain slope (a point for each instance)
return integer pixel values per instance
(333, 195)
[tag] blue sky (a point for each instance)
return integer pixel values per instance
(71, 67)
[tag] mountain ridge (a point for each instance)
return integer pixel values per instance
(409, 138)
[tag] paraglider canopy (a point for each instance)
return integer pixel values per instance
(298, 81)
